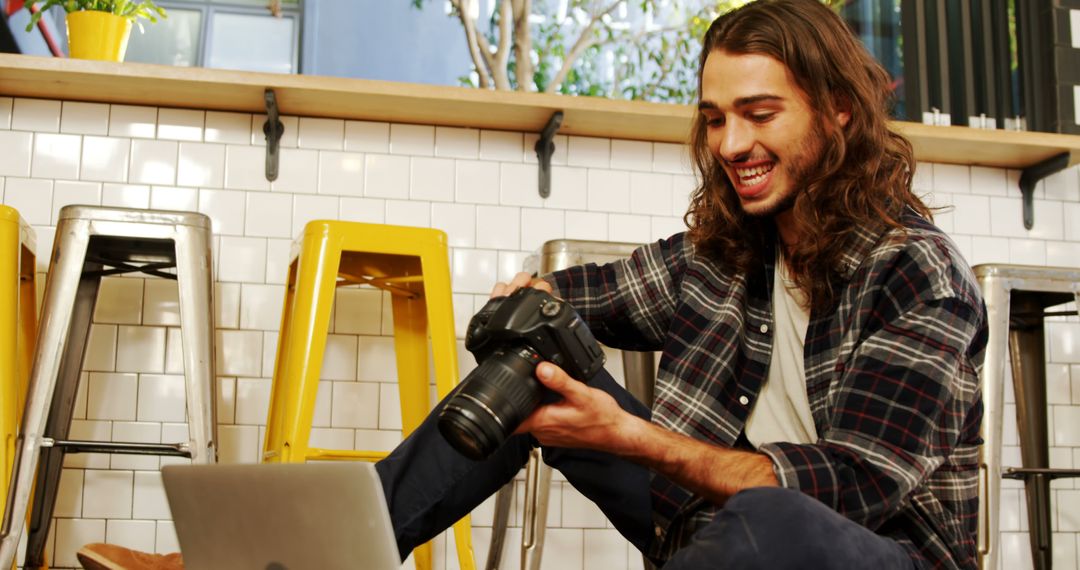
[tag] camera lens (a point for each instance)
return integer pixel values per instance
(491, 402)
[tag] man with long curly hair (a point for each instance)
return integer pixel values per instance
(817, 401)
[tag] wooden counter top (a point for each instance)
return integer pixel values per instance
(315, 96)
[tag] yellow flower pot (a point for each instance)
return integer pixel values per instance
(97, 35)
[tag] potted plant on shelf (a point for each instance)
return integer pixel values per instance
(98, 29)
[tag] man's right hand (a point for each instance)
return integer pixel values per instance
(520, 280)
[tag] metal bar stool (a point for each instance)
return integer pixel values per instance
(91, 243)
(639, 372)
(410, 263)
(1016, 301)
(18, 330)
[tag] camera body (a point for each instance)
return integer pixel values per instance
(509, 337)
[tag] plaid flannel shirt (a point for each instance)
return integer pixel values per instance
(891, 375)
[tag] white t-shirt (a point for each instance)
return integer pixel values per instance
(782, 411)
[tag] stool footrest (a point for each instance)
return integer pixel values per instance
(1025, 473)
(344, 455)
(119, 448)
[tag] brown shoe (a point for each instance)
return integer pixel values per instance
(100, 556)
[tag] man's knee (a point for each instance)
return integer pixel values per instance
(774, 527)
(767, 505)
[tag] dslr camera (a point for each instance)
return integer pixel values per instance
(509, 337)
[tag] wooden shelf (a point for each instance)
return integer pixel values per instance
(314, 96)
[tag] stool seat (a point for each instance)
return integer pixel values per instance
(409, 263)
(93, 242)
(158, 220)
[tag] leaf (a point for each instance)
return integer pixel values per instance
(134, 10)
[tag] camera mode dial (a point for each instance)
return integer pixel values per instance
(550, 309)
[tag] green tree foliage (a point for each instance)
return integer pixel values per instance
(624, 49)
(621, 49)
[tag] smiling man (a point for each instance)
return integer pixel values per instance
(817, 400)
(753, 113)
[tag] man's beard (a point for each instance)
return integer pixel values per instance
(799, 168)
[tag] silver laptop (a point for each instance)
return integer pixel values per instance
(281, 516)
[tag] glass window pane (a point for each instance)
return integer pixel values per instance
(877, 24)
(171, 41)
(251, 43)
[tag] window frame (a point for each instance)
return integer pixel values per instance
(209, 8)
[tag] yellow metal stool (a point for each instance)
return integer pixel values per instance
(411, 264)
(18, 331)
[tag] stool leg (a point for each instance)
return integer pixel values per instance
(410, 348)
(301, 348)
(996, 296)
(60, 296)
(503, 500)
(195, 287)
(10, 377)
(27, 322)
(274, 442)
(51, 461)
(440, 317)
(1027, 352)
(534, 519)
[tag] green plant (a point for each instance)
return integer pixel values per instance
(134, 10)
(624, 49)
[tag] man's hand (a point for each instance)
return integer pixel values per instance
(520, 280)
(584, 418)
(587, 418)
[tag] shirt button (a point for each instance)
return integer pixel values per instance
(764, 328)
(744, 400)
(659, 531)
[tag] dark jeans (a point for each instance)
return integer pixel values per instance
(429, 486)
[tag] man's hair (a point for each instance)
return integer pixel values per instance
(863, 177)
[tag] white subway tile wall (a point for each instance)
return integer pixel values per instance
(481, 188)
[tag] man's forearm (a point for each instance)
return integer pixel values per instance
(589, 418)
(715, 472)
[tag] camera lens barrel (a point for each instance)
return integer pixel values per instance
(491, 402)
(509, 337)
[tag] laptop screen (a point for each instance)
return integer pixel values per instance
(281, 516)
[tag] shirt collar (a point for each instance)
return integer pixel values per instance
(860, 242)
(859, 245)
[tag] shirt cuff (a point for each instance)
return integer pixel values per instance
(804, 467)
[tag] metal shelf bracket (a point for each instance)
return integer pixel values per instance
(545, 147)
(273, 129)
(1031, 176)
